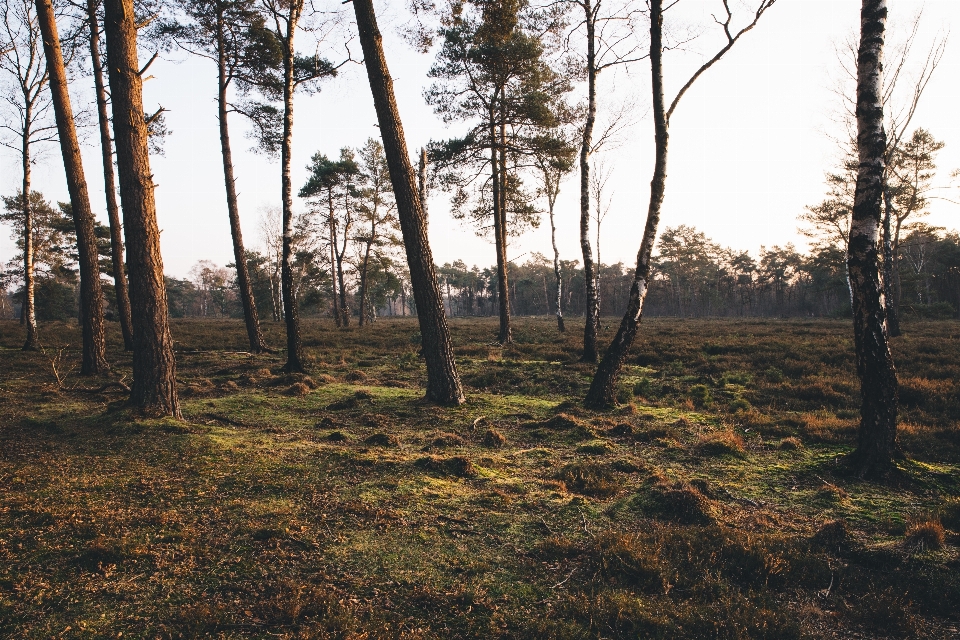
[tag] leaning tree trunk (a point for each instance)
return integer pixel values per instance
(154, 387)
(422, 183)
(28, 315)
(586, 146)
(603, 388)
(443, 382)
(889, 297)
(110, 183)
(877, 434)
(290, 311)
(245, 288)
(94, 360)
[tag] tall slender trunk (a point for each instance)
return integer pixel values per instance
(890, 300)
(602, 392)
(422, 183)
(245, 288)
(28, 315)
(592, 307)
(499, 233)
(506, 333)
(154, 387)
(556, 266)
(110, 183)
(364, 266)
(332, 224)
(877, 434)
(290, 311)
(443, 382)
(94, 359)
(341, 253)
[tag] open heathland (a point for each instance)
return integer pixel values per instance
(712, 503)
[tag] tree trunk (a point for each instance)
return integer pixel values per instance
(890, 302)
(28, 315)
(556, 268)
(876, 438)
(499, 169)
(332, 224)
(154, 387)
(363, 272)
(110, 184)
(94, 360)
(422, 183)
(443, 382)
(603, 388)
(592, 307)
(341, 253)
(290, 312)
(245, 288)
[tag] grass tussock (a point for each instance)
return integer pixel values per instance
(721, 443)
(924, 533)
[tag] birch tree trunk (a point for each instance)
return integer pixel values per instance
(250, 317)
(556, 263)
(602, 393)
(94, 360)
(154, 387)
(110, 183)
(28, 315)
(589, 270)
(443, 382)
(290, 311)
(876, 437)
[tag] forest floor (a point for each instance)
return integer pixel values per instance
(710, 504)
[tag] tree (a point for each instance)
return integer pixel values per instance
(154, 388)
(877, 433)
(109, 180)
(491, 72)
(93, 361)
(553, 166)
(909, 175)
(603, 387)
(298, 71)
(232, 35)
(443, 381)
(331, 182)
(609, 42)
(377, 209)
(22, 61)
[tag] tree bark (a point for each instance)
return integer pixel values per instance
(443, 382)
(877, 434)
(589, 270)
(94, 360)
(422, 183)
(332, 224)
(154, 387)
(290, 311)
(245, 288)
(110, 184)
(603, 388)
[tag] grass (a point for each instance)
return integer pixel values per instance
(340, 505)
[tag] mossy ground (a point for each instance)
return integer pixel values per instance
(349, 508)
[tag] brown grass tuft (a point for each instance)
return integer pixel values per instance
(493, 439)
(677, 502)
(924, 533)
(721, 443)
(383, 440)
(790, 444)
(832, 533)
(355, 376)
(297, 389)
(589, 479)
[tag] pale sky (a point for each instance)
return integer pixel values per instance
(749, 142)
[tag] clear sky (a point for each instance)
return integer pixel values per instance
(749, 142)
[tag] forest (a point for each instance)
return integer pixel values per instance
(336, 436)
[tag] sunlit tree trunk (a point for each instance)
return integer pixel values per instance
(94, 360)
(556, 263)
(154, 387)
(443, 382)
(877, 434)
(110, 183)
(245, 288)
(28, 315)
(891, 302)
(500, 233)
